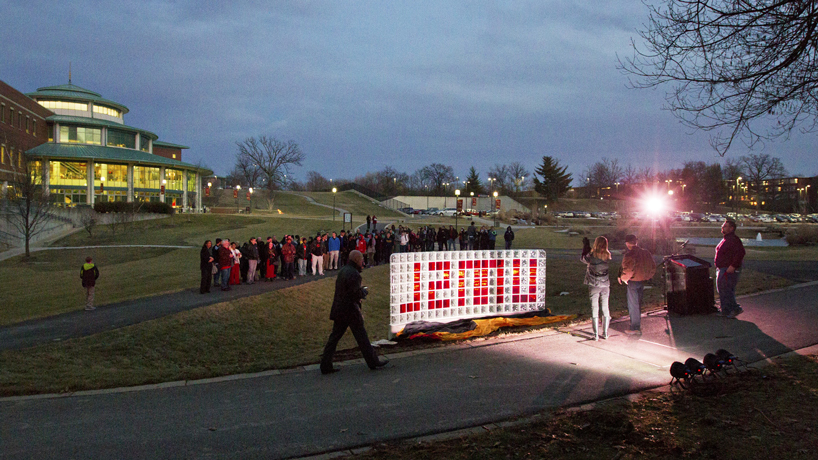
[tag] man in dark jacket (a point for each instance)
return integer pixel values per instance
(252, 257)
(729, 256)
(637, 267)
(206, 266)
(89, 274)
(346, 313)
(509, 237)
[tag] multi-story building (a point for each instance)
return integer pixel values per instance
(85, 153)
(785, 194)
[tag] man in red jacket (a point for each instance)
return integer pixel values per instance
(729, 256)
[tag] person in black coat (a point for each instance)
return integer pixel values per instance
(509, 237)
(206, 265)
(346, 313)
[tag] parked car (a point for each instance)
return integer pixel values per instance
(447, 212)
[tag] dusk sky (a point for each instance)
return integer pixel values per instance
(360, 85)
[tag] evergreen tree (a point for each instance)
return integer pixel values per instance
(473, 183)
(553, 182)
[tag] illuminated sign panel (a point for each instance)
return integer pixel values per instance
(451, 285)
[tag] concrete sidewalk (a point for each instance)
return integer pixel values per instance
(299, 412)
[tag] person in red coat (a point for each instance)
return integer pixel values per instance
(270, 273)
(235, 273)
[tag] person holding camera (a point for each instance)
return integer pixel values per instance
(599, 284)
(346, 313)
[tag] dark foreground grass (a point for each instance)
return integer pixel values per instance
(761, 414)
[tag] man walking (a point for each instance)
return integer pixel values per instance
(346, 313)
(729, 256)
(89, 274)
(638, 266)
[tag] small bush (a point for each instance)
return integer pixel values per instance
(125, 207)
(803, 235)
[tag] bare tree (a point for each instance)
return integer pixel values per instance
(500, 179)
(435, 176)
(246, 172)
(28, 205)
(732, 169)
(604, 173)
(519, 175)
(646, 175)
(89, 221)
(759, 168)
(630, 175)
(733, 64)
(273, 158)
(316, 182)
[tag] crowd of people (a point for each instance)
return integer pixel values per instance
(227, 263)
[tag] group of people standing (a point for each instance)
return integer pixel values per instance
(427, 237)
(225, 263)
(638, 267)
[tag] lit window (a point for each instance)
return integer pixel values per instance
(80, 135)
(107, 111)
(64, 105)
(174, 156)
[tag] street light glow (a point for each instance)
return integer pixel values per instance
(654, 205)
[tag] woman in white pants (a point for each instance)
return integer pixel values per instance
(599, 285)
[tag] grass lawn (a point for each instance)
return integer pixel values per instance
(767, 413)
(276, 330)
(148, 271)
(280, 329)
(359, 206)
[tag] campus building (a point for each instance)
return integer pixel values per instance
(79, 144)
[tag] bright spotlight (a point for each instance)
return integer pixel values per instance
(655, 205)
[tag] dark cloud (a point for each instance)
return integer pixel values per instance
(364, 84)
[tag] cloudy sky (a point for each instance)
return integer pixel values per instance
(360, 85)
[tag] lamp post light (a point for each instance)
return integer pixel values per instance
(456, 202)
(334, 211)
(494, 205)
(238, 190)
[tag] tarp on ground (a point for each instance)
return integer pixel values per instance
(465, 328)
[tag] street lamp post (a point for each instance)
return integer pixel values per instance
(737, 192)
(456, 202)
(334, 211)
(494, 205)
(238, 190)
